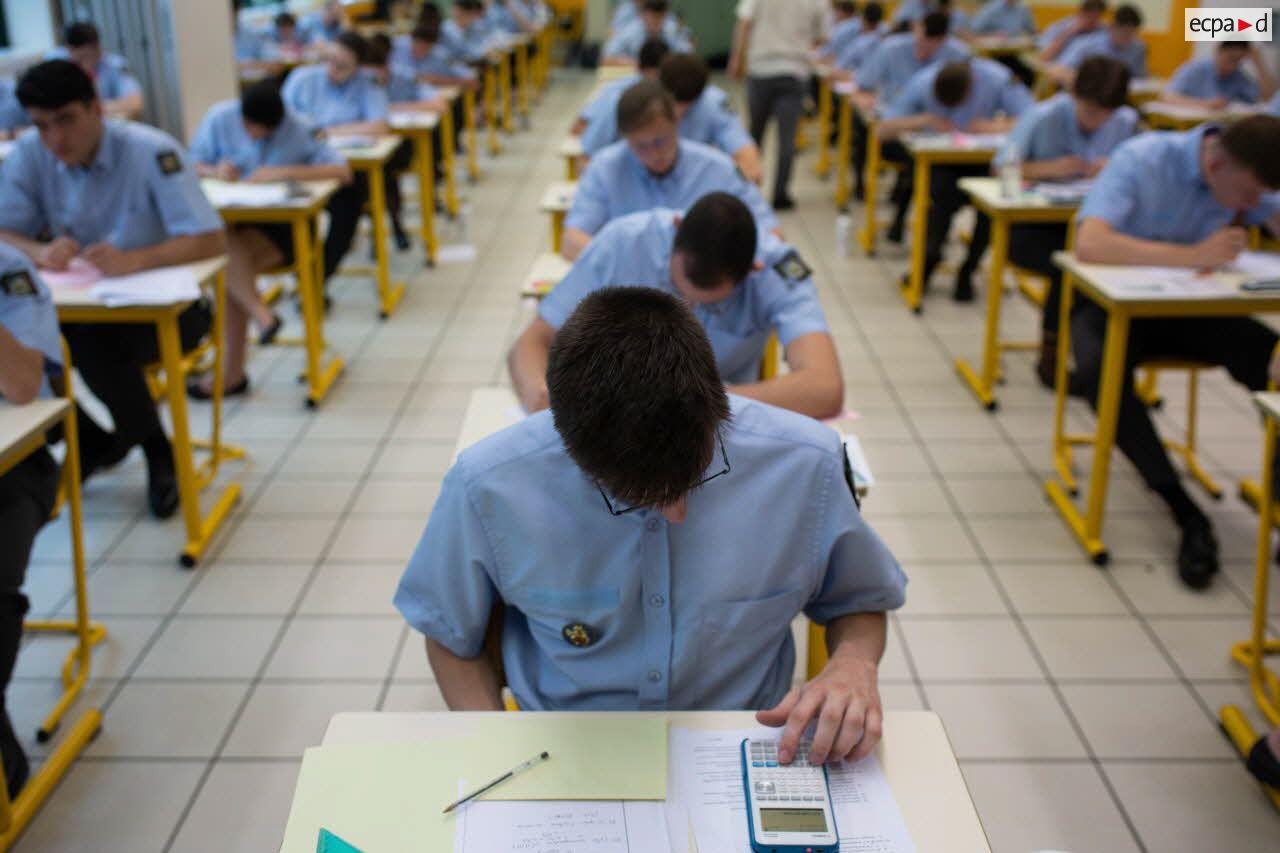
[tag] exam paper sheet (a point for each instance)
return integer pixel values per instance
(704, 788)
(566, 826)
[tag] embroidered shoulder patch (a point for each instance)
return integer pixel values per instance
(168, 162)
(317, 133)
(793, 268)
(18, 283)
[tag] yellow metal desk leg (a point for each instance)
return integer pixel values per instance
(473, 138)
(388, 294)
(504, 89)
(491, 108)
(914, 293)
(557, 231)
(311, 297)
(844, 152)
(983, 386)
(448, 159)
(522, 81)
(424, 154)
(1061, 447)
(871, 187)
(823, 166)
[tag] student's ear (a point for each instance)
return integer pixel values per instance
(756, 266)
(675, 220)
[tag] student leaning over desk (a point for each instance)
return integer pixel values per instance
(118, 89)
(599, 116)
(122, 197)
(1214, 81)
(651, 538)
(1178, 199)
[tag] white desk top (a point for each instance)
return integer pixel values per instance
(915, 754)
(558, 197)
(546, 272)
(82, 297)
(606, 73)
(1136, 286)
(488, 411)
(1269, 403)
(317, 192)
(1146, 86)
(19, 423)
(413, 120)
(570, 146)
(927, 143)
(1000, 43)
(381, 149)
(987, 190)
(1185, 112)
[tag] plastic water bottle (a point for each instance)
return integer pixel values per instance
(844, 226)
(1010, 173)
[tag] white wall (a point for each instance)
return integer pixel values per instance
(30, 25)
(205, 57)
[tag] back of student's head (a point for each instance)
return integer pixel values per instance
(427, 33)
(936, 24)
(469, 6)
(652, 52)
(636, 395)
(429, 12)
(1128, 16)
(846, 7)
(642, 104)
(82, 34)
(685, 76)
(377, 50)
(261, 104)
(1242, 46)
(717, 241)
(285, 21)
(951, 85)
(1252, 142)
(355, 43)
(656, 7)
(872, 14)
(53, 84)
(1103, 81)
(1095, 6)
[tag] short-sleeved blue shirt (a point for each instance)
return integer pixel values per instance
(309, 91)
(26, 310)
(709, 120)
(111, 76)
(1004, 17)
(1100, 44)
(1153, 188)
(636, 250)
(628, 40)
(859, 50)
(138, 191)
(1198, 78)
(1049, 130)
(889, 68)
(296, 142)
(439, 61)
(992, 90)
(679, 616)
(617, 183)
(842, 35)
(12, 115)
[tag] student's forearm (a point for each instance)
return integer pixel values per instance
(1266, 80)
(748, 159)
(467, 684)
(891, 128)
(372, 128)
(182, 250)
(1097, 244)
(130, 106)
(812, 391)
(618, 59)
(573, 241)
(857, 637)
(319, 172)
(21, 369)
(25, 245)
(1063, 75)
(1168, 96)
(738, 54)
(527, 364)
(1053, 48)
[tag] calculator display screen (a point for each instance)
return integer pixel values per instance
(793, 820)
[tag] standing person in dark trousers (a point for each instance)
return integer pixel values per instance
(771, 46)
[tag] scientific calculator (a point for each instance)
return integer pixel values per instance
(788, 806)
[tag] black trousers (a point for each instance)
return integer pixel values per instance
(895, 152)
(111, 359)
(1031, 247)
(945, 201)
(26, 498)
(1019, 68)
(781, 98)
(1240, 344)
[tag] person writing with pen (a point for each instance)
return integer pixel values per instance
(1178, 199)
(646, 543)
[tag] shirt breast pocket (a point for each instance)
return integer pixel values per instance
(739, 640)
(565, 617)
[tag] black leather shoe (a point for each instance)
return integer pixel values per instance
(196, 391)
(894, 234)
(783, 202)
(1263, 764)
(162, 493)
(268, 335)
(1198, 554)
(964, 286)
(401, 238)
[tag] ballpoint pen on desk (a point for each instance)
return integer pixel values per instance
(515, 771)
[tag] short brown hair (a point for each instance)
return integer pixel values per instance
(684, 75)
(1103, 81)
(951, 85)
(636, 395)
(1252, 142)
(641, 104)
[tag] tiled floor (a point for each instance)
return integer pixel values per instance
(1082, 703)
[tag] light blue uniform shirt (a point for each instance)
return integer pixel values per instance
(111, 76)
(909, 11)
(709, 120)
(616, 183)
(250, 46)
(309, 91)
(1055, 29)
(27, 312)
(1273, 105)
(992, 89)
(501, 20)
(1100, 44)
(626, 12)
(138, 191)
(439, 61)
(1049, 130)
(1152, 188)
(1198, 78)
(222, 138)
(312, 28)
(685, 616)
(636, 250)
(1004, 18)
(889, 68)
(842, 35)
(469, 45)
(859, 50)
(606, 103)
(12, 115)
(628, 40)
(402, 86)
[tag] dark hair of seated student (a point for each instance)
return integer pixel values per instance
(53, 84)
(642, 104)
(285, 20)
(1127, 16)
(652, 52)
(1103, 81)
(872, 14)
(355, 43)
(716, 241)
(1093, 6)
(951, 86)
(846, 7)
(659, 7)
(685, 76)
(936, 25)
(378, 50)
(261, 104)
(1252, 143)
(429, 13)
(636, 395)
(81, 34)
(426, 32)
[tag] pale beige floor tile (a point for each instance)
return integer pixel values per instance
(978, 648)
(294, 539)
(297, 497)
(42, 655)
(975, 457)
(414, 696)
(1015, 494)
(1156, 590)
(904, 498)
(1004, 721)
(943, 589)
(397, 497)
(1201, 648)
(242, 808)
(1144, 721)
(1033, 538)
(413, 459)
(100, 533)
(249, 589)
(211, 647)
(1069, 588)
(328, 461)
(133, 589)
(1114, 648)
(167, 720)
(934, 538)
(385, 539)
(282, 720)
(352, 589)
(335, 648)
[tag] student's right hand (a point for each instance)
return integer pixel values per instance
(1217, 103)
(1070, 166)
(56, 255)
(940, 124)
(227, 172)
(1221, 247)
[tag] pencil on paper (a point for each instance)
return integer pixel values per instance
(515, 771)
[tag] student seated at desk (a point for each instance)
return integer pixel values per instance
(851, 57)
(907, 13)
(1178, 199)
(974, 96)
(652, 167)
(651, 538)
(883, 75)
(254, 138)
(1067, 137)
(30, 354)
(118, 89)
(422, 55)
(1004, 18)
(655, 22)
(1214, 81)
(466, 35)
(709, 259)
(286, 42)
(847, 27)
(1089, 18)
(600, 115)
(626, 12)
(326, 24)
(121, 196)
(1121, 40)
(703, 114)
(343, 98)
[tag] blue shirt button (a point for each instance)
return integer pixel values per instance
(655, 676)
(657, 600)
(651, 525)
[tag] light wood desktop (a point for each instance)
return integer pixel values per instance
(557, 202)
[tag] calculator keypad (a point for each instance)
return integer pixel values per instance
(798, 782)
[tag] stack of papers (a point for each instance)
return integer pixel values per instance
(348, 142)
(243, 194)
(1063, 192)
(1257, 266)
(166, 286)
(1171, 282)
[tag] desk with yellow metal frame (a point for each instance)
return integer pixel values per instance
(547, 271)
(842, 95)
(371, 159)
(1252, 653)
(998, 45)
(79, 305)
(826, 111)
(557, 201)
(1025, 209)
(570, 150)
(418, 128)
(302, 215)
(22, 432)
(521, 44)
(1113, 289)
(927, 151)
(448, 150)
(1161, 115)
